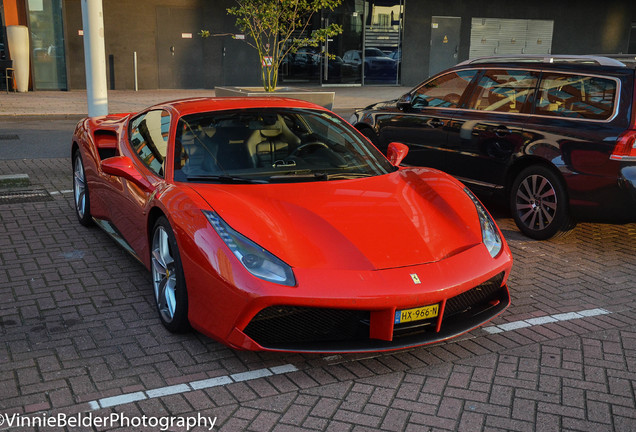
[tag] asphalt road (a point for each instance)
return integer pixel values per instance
(35, 138)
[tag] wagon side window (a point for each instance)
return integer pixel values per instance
(576, 96)
(149, 138)
(504, 91)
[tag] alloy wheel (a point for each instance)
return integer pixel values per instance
(164, 275)
(81, 196)
(79, 187)
(536, 202)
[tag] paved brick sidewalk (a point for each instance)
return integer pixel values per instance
(79, 334)
(73, 103)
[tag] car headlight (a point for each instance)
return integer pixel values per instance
(254, 258)
(489, 232)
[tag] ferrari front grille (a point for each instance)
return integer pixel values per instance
(469, 299)
(323, 330)
(277, 325)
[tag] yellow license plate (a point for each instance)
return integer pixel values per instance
(416, 314)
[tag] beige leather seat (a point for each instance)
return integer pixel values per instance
(271, 143)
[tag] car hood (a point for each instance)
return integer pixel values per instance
(409, 217)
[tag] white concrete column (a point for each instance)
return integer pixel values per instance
(95, 57)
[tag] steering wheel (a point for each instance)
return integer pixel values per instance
(305, 146)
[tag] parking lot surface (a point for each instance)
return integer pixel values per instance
(79, 338)
(80, 335)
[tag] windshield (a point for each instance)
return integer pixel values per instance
(268, 145)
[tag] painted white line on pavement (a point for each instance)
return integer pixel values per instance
(121, 399)
(167, 391)
(187, 387)
(545, 320)
(210, 382)
(250, 375)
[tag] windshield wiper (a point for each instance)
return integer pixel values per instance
(298, 177)
(225, 179)
(318, 176)
(347, 175)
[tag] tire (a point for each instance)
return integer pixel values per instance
(539, 203)
(168, 281)
(80, 191)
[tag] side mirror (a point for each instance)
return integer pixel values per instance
(396, 153)
(405, 102)
(122, 166)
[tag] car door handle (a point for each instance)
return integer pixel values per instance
(436, 123)
(502, 131)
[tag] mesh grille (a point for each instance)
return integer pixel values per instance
(474, 297)
(292, 324)
(348, 330)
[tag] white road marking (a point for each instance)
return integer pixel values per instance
(65, 191)
(250, 375)
(121, 399)
(210, 382)
(187, 387)
(545, 320)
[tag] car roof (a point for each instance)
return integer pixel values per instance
(206, 104)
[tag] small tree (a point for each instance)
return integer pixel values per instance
(276, 28)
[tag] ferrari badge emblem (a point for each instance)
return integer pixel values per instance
(416, 279)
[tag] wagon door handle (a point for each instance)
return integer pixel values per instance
(436, 123)
(502, 131)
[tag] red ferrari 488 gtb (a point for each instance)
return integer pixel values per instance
(272, 224)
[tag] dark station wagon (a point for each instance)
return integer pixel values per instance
(555, 136)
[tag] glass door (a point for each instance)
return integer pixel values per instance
(382, 55)
(368, 51)
(4, 50)
(340, 59)
(47, 44)
(302, 66)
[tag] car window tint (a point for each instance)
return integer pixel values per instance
(576, 96)
(503, 91)
(444, 91)
(149, 138)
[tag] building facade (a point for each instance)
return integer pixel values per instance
(154, 44)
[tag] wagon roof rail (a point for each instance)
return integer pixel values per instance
(549, 58)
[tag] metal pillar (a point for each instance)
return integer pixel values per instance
(95, 57)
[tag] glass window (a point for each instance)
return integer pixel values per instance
(272, 145)
(444, 91)
(149, 138)
(576, 96)
(47, 43)
(504, 91)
